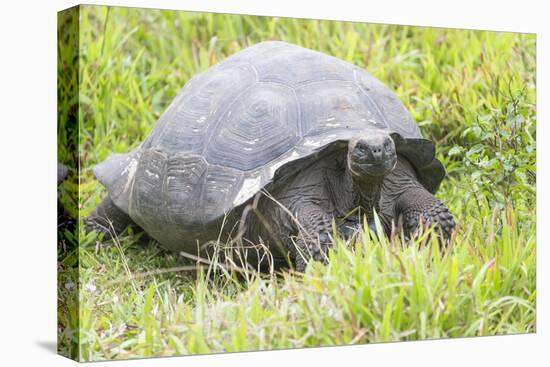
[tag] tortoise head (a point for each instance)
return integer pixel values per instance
(371, 154)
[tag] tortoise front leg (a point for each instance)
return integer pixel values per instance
(313, 240)
(416, 205)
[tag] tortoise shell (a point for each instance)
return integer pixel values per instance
(232, 128)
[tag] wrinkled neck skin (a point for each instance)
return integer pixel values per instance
(366, 189)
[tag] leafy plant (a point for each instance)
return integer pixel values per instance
(498, 153)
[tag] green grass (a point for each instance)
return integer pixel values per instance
(473, 92)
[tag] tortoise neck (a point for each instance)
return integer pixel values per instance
(367, 190)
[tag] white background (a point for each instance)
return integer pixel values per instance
(28, 166)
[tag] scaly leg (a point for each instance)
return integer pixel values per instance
(313, 239)
(417, 204)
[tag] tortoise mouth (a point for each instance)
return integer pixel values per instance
(381, 168)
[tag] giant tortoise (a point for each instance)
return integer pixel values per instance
(270, 146)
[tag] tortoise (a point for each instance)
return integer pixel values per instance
(271, 145)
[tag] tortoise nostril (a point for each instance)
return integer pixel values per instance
(376, 151)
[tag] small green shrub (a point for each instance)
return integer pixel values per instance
(498, 153)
